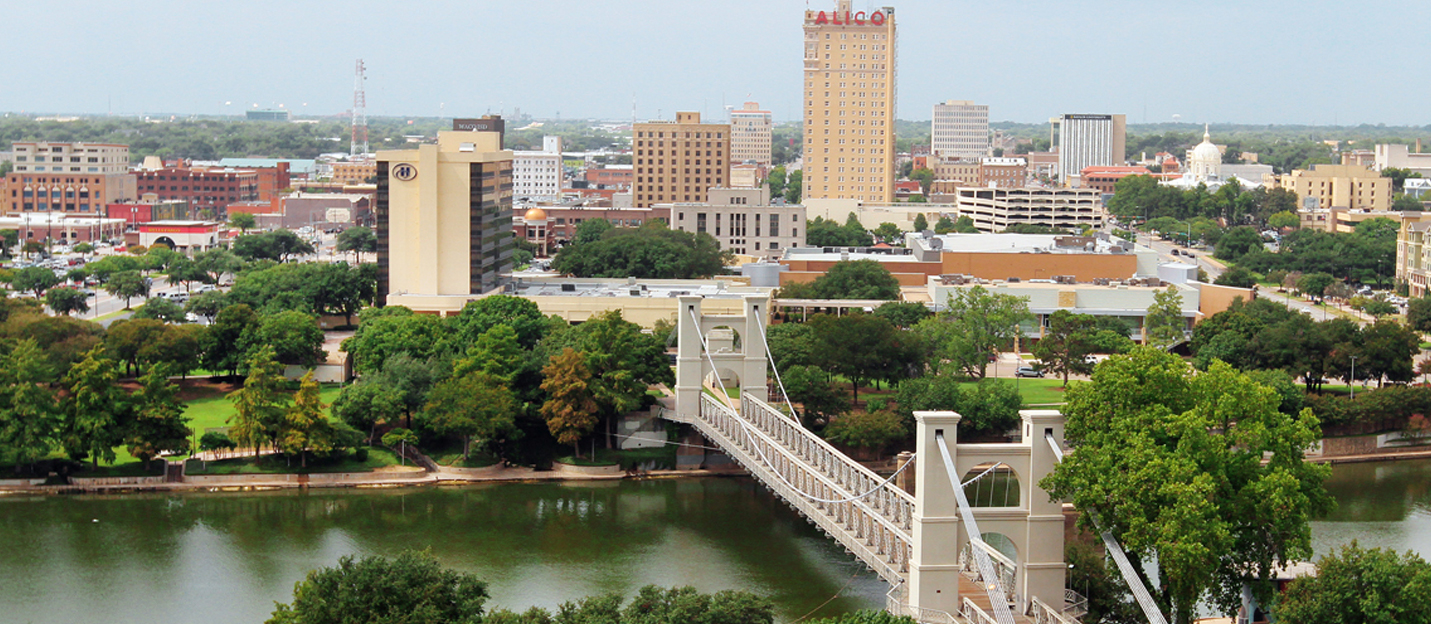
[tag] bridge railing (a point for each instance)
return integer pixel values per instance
(1003, 566)
(895, 603)
(896, 504)
(1041, 613)
(973, 614)
(862, 526)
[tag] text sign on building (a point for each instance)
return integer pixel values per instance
(485, 124)
(847, 18)
(405, 172)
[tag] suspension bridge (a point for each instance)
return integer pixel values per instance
(933, 547)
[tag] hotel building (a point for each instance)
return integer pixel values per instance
(676, 161)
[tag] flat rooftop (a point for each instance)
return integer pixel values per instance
(1024, 243)
(625, 288)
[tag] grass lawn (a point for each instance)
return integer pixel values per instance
(450, 454)
(208, 408)
(270, 464)
(1036, 391)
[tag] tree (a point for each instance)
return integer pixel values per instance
(862, 347)
(976, 324)
(303, 427)
(29, 418)
(867, 430)
(159, 422)
(1172, 463)
(366, 403)
(1385, 351)
(1406, 203)
(294, 336)
(810, 387)
(84, 249)
(570, 411)
(855, 279)
(384, 333)
(224, 345)
(412, 588)
(1164, 325)
(1398, 177)
(591, 230)
(1283, 220)
(1418, 314)
(945, 225)
(185, 271)
(1237, 242)
(127, 284)
(623, 362)
(207, 304)
(357, 240)
(476, 404)
(965, 225)
(67, 300)
(1358, 584)
(96, 409)
(519, 314)
(904, 314)
(1237, 276)
(1067, 344)
(651, 251)
(258, 405)
(161, 309)
(496, 353)
(921, 224)
(243, 221)
(776, 181)
(888, 232)
(216, 442)
(925, 177)
(218, 262)
(990, 406)
(1314, 284)
(794, 185)
(34, 279)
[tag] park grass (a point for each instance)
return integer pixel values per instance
(378, 457)
(1034, 391)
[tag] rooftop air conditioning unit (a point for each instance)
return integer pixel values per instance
(568, 287)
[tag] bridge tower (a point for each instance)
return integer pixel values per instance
(1035, 526)
(746, 361)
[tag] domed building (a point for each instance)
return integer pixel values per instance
(1206, 160)
(537, 229)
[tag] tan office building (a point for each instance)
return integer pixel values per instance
(1338, 186)
(750, 134)
(68, 177)
(849, 104)
(743, 221)
(444, 221)
(676, 161)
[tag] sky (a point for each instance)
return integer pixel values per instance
(1315, 62)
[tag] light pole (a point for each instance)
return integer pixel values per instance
(1353, 377)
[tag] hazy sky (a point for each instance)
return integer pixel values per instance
(1267, 61)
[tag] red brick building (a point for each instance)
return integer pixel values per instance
(135, 213)
(558, 224)
(204, 189)
(1104, 178)
(618, 176)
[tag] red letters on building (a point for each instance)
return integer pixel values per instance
(859, 18)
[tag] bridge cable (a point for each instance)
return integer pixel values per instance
(1115, 550)
(765, 340)
(993, 585)
(745, 427)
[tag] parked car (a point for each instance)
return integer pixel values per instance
(1028, 371)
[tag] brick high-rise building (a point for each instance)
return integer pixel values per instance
(750, 134)
(68, 177)
(676, 161)
(849, 104)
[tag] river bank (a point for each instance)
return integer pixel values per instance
(404, 478)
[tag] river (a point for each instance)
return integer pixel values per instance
(1383, 504)
(221, 558)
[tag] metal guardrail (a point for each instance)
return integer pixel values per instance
(973, 614)
(1003, 566)
(895, 604)
(876, 529)
(1041, 613)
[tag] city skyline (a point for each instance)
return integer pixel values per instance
(1275, 62)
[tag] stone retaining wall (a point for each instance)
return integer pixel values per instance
(240, 479)
(93, 481)
(364, 477)
(485, 471)
(19, 483)
(613, 469)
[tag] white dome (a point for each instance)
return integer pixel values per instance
(1206, 158)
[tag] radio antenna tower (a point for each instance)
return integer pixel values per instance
(360, 113)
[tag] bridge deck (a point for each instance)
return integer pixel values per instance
(969, 588)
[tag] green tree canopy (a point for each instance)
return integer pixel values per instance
(976, 324)
(1356, 584)
(1173, 464)
(412, 588)
(848, 279)
(651, 251)
(1067, 344)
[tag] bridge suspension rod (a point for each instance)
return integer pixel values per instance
(1115, 550)
(997, 597)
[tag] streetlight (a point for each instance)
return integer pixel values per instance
(1353, 377)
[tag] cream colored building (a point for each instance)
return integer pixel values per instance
(849, 107)
(960, 129)
(537, 175)
(676, 161)
(1413, 253)
(640, 301)
(871, 215)
(1344, 220)
(750, 134)
(994, 209)
(1401, 157)
(743, 221)
(1338, 186)
(444, 221)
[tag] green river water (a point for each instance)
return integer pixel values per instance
(220, 558)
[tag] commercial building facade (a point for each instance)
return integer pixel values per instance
(353, 171)
(444, 221)
(1089, 141)
(960, 129)
(994, 209)
(743, 221)
(849, 89)
(676, 161)
(68, 177)
(555, 225)
(750, 134)
(203, 188)
(1338, 186)
(537, 174)
(1401, 157)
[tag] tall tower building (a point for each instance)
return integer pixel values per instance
(750, 134)
(849, 98)
(960, 130)
(444, 221)
(676, 161)
(1089, 141)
